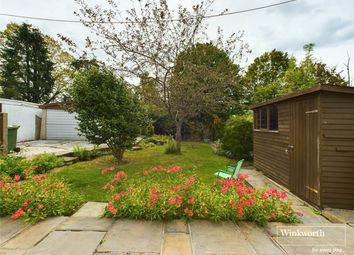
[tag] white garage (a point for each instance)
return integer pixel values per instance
(59, 124)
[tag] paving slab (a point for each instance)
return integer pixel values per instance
(12, 252)
(176, 226)
(86, 224)
(31, 236)
(259, 239)
(68, 243)
(259, 180)
(339, 215)
(133, 236)
(218, 238)
(9, 228)
(91, 209)
(272, 227)
(177, 244)
(308, 216)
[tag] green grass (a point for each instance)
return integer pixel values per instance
(86, 177)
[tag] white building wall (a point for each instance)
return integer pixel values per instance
(62, 125)
(22, 114)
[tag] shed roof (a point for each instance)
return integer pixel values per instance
(337, 89)
(58, 106)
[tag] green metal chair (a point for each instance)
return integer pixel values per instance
(231, 171)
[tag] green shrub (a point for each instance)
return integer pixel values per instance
(37, 198)
(152, 141)
(237, 141)
(171, 193)
(171, 146)
(13, 165)
(44, 162)
(84, 154)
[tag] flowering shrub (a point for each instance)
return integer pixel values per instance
(13, 165)
(168, 193)
(36, 198)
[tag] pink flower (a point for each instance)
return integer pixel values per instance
(17, 178)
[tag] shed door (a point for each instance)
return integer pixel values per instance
(304, 148)
(62, 125)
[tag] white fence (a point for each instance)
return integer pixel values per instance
(22, 114)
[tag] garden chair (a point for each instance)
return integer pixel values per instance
(231, 171)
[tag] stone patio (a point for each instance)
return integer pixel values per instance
(58, 147)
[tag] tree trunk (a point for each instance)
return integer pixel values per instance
(117, 152)
(179, 135)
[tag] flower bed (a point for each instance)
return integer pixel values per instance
(13, 165)
(169, 193)
(36, 198)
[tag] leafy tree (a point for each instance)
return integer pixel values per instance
(25, 67)
(308, 73)
(150, 39)
(107, 109)
(264, 70)
(63, 72)
(204, 81)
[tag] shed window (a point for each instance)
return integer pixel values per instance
(264, 118)
(273, 117)
(257, 123)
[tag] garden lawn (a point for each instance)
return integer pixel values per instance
(86, 177)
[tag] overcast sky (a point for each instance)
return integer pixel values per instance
(328, 24)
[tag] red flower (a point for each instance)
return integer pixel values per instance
(188, 212)
(60, 185)
(111, 208)
(174, 169)
(145, 172)
(178, 200)
(106, 170)
(171, 200)
(34, 167)
(233, 205)
(17, 178)
(40, 206)
(224, 189)
(242, 176)
(130, 190)
(190, 200)
(176, 187)
(17, 214)
(1, 183)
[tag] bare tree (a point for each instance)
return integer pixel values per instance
(148, 38)
(347, 66)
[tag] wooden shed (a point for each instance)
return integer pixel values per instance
(305, 142)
